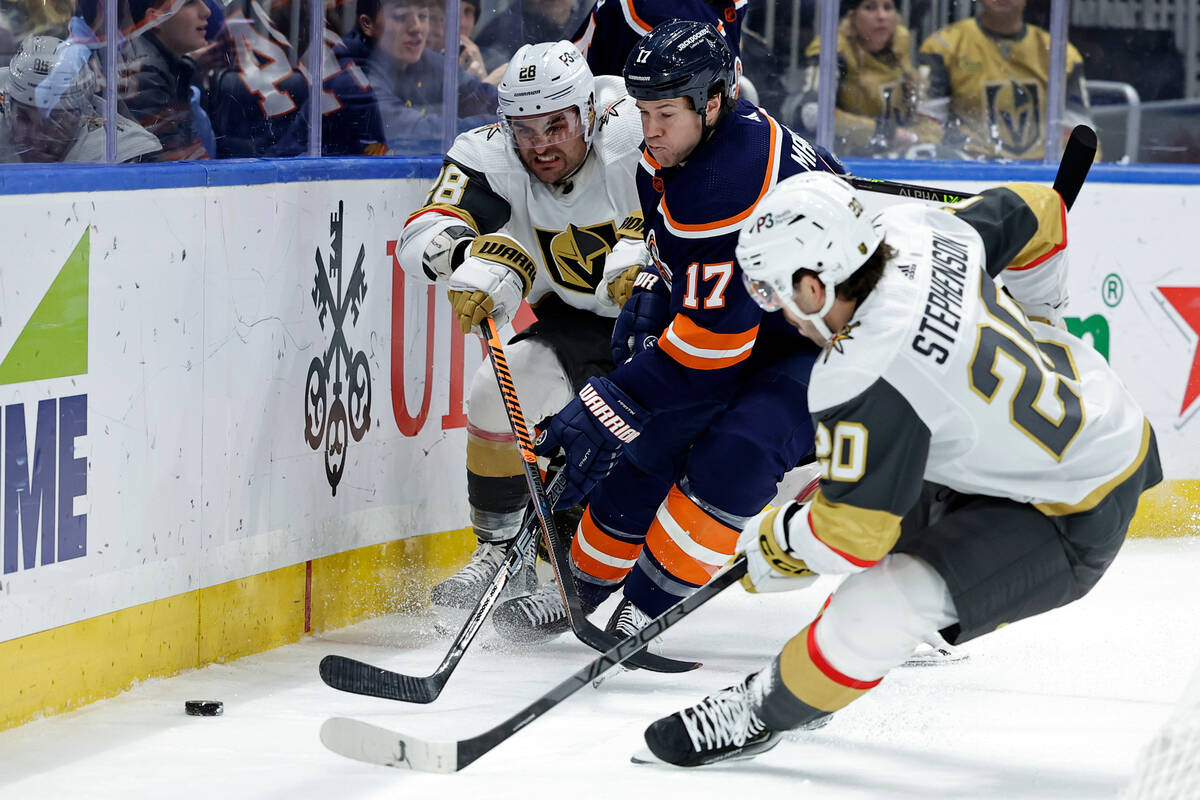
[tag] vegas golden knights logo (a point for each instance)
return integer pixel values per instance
(1015, 114)
(575, 257)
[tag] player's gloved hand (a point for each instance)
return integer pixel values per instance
(1040, 290)
(492, 280)
(591, 430)
(446, 251)
(771, 565)
(621, 268)
(642, 319)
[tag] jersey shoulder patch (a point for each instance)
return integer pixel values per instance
(487, 150)
(618, 131)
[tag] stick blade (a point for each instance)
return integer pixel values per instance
(348, 675)
(1076, 161)
(372, 744)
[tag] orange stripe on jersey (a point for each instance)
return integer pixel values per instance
(690, 544)
(741, 216)
(632, 16)
(696, 347)
(650, 159)
(601, 555)
(701, 526)
(1058, 246)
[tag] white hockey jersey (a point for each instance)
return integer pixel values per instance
(940, 377)
(568, 229)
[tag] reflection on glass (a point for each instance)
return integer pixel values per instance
(469, 56)
(523, 22)
(155, 76)
(52, 109)
(987, 82)
(881, 108)
(256, 91)
(1143, 79)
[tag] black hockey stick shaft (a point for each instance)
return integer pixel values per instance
(1072, 171)
(376, 745)
(1076, 162)
(350, 675)
(471, 749)
(880, 186)
(556, 547)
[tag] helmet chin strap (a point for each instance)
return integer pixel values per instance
(816, 318)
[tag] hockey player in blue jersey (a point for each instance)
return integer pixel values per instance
(706, 423)
(618, 25)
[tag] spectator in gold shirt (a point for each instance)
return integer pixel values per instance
(987, 83)
(880, 95)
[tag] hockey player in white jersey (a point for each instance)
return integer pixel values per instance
(979, 465)
(541, 206)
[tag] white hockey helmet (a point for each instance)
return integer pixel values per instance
(812, 221)
(545, 77)
(48, 73)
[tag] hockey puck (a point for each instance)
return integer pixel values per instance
(204, 708)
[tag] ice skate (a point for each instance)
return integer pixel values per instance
(936, 653)
(721, 727)
(532, 619)
(464, 588)
(626, 620)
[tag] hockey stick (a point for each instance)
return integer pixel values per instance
(880, 186)
(559, 552)
(375, 745)
(351, 675)
(1072, 171)
(1076, 160)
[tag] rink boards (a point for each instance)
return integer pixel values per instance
(227, 419)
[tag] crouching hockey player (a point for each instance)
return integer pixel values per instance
(708, 421)
(539, 206)
(979, 466)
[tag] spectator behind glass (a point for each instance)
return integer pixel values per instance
(52, 112)
(469, 57)
(407, 79)
(524, 21)
(987, 83)
(469, 18)
(389, 87)
(155, 79)
(879, 93)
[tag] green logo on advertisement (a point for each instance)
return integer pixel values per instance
(1093, 329)
(54, 343)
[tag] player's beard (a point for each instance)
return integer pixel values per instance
(561, 164)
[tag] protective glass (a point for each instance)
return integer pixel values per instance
(544, 130)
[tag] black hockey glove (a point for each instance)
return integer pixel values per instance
(642, 318)
(591, 430)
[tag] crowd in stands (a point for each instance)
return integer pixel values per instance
(214, 79)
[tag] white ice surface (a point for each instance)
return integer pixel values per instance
(1054, 707)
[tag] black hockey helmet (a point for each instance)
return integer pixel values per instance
(681, 58)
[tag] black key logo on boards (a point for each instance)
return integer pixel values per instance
(337, 392)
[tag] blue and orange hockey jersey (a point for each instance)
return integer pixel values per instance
(693, 213)
(615, 26)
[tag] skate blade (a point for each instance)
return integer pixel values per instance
(645, 756)
(936, 658)
(618, 669)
